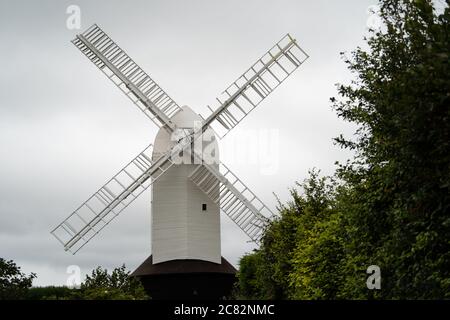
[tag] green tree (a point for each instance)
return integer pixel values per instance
(397, 214)
(50, 293)
(315, 259)
(118, 285)
(296, 247)
(248, 284)
(14, 284)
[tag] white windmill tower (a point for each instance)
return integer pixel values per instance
(190, 185)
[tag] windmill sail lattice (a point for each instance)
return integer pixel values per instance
(219, 184)
(106, 204)
(127, 75)
(251, 88)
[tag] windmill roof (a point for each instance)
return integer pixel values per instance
(183, 267)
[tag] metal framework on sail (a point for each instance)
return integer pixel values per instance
(127, 75)
(221, 185)
(106, 204)
(251, 88)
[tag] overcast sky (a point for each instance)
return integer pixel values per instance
(65, 129)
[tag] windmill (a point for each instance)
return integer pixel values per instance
(190, 186)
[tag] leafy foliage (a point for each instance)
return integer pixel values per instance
(14, 284)
(118, 285)
(390, 206)
(50, 293)
(294, 248)
(398, 213)
(100, 285)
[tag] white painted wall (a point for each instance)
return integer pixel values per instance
(180, 229)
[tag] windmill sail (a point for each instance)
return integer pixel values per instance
(127, 75)
(244, 94)
(221, 185)
(106, 204)
(235, 199)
